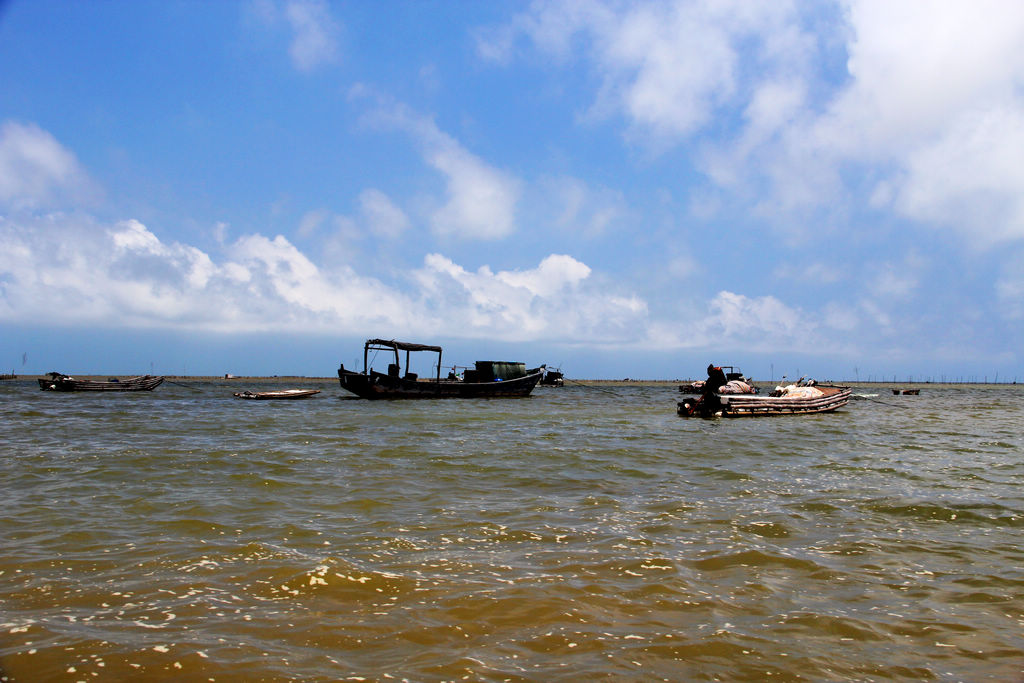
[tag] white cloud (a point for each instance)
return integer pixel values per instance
(891, 281)
(35, 169)
(81, 273)
(1009, 289)
(573, 205)
(312, 221)
(736, 317)
(315, 34)
(927, 120)
(75, 271)
(970, 179)
(553, 274)
(551, 301)
(931, 116)
(382, 216)
(480, 200)
(730, 320)
(665, 66)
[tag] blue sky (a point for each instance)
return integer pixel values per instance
(622, 189)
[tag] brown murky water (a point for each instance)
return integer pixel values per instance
(583, 533)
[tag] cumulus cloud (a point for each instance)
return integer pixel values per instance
(123, 275)
(731, 320)
(480, 199)
(969, 178)
(575, 206)
(925, 121)
(1010, 289)
(81, 272)
(551, 301)
(314, 30)
(35, 169)
(933, 102)
(666, 67)
(381, 215)
(736, 317)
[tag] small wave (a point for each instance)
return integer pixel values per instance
(754, 558)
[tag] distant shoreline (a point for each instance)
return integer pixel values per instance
(281, 379)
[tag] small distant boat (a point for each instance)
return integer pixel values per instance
(283, 395)
(906, 392)
(8, 376)
(489, 379)
(552, 378)
(61, 382)
(793, 400)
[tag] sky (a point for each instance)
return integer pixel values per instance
(618, 189)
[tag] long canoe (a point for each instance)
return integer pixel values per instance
(61, 382)
(282, 395)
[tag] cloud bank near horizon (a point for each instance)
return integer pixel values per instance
(870, 148)
(122, 275)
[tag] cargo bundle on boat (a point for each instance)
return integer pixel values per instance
(61, 382)
(487, 379)
(736, 383)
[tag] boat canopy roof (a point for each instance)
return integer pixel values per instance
(401, 346)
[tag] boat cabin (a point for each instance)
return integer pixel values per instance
(395, 368)
(732, 373)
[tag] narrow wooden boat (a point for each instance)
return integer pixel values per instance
(755, 405)
(282, 395)
(61, 382)
(906, 392)
(489, 379)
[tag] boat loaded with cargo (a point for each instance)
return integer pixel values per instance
(794, 399)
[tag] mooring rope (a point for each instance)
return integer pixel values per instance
(181, 385)
(589, 386)
(874, 400)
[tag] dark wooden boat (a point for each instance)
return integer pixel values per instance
(489, 379)
(755, 405)
(282, 395)
(552, 378)
(62, 382)
(906, 392)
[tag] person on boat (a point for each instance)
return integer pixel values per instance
(709, 401)
(715, 381)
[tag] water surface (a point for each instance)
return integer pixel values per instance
(585, 532)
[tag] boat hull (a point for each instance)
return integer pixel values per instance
(377, 385)
(62, 383)
(754, 405)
